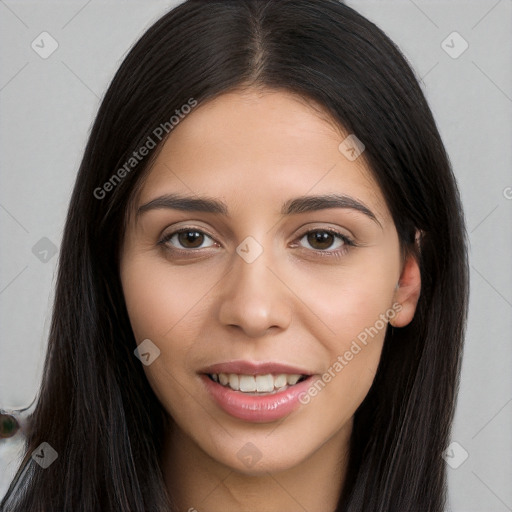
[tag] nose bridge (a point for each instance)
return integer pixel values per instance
(253, 298)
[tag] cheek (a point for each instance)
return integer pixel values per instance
(353, 357)
(166, 307)
(352, 304)
(344, 301)
(158, 300)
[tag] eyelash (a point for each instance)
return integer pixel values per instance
(347, 242)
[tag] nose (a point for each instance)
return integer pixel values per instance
(254, 299)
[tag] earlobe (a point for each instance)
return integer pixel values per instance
(407, 292)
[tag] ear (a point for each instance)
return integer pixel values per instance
(407, 292)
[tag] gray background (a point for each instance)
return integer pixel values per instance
(48, 105)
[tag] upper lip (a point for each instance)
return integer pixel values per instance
(254, 368)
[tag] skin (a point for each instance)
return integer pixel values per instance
(255, 149)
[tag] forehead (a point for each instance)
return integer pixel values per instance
(256, 145)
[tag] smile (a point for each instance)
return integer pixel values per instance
(256, 392)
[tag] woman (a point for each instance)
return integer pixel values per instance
(263, 280)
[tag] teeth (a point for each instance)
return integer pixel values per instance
(292, 379)
(256, 383)
(234, 381)
(280, 380)
(247, 383)
(264, 383)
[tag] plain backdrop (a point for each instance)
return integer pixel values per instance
(46, 110)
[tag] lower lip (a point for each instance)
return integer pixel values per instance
(257, 409)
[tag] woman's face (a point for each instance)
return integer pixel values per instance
(265, 285)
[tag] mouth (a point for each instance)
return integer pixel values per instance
(256, 392)
(257, 385)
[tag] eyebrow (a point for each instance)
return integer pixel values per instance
(293, 206)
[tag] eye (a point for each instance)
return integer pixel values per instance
(321, 239)
(187, 238)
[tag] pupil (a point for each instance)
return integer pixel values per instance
(323, 238)
(190, 236)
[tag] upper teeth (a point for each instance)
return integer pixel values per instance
(256, 383)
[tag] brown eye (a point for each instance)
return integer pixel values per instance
(320, 239)
(186, 238)
(190, 239)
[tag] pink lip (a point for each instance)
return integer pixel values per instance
(257, 409)
(250, 368)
